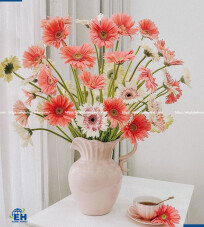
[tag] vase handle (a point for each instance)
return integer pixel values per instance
(124, 158)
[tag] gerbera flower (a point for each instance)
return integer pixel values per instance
(147, 76)
(39, 110)
(160, 45)
(137, 128)
(30, 95)
(59, 111)
(24, 133)
(119, 57)
(129, 93)
(47, 82)
(167, 121)
(8, 66)
(92, 119)
(148, 51)
(33, 57)
(79, 57)
(153, 105)
(174, 93)
(125, 24)
(92, 82)
(148, 29)
(103, 33)
(117, 111)
(186, 78)
(29, 79)
(169, 58)
(167, 215)
(55, 30)
(86, 22)
(21, 113)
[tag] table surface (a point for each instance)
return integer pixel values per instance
(65, 213)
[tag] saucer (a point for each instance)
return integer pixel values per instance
(131, 213)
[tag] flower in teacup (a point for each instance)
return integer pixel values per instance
(186, 78)
(137, 128)
(79, 57)
(55, 30)
(92, 81)
(119, 57)
(148, 29)
(21, 112)
(117, 111)
(147, 76)
(92, 119)
(167, 215)
(129, 92)
(148, 51)
(125, 24)
(47, 82)
(24, 133)
(103, 33)
(8, 66)
(59, 111)
(33, 57)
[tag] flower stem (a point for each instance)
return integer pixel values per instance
(97, 56)
(85, 98)
(42, 97)
(92, 98)
(159, 69)
(148, 63)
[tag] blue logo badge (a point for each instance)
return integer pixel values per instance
(18, 215)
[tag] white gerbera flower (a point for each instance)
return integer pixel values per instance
(154, 106)
(24, 133)
(87, 22)
(92, 119)
(39, 110)
(148, 51)
(186, 78)
(129, 93)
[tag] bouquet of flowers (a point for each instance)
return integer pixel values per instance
(115, 94)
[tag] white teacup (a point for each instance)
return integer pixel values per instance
(144, 210)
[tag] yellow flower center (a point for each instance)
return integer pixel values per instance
(163, 216)
(103, 35)
(78, 56)
(58, 34)
(114, 113)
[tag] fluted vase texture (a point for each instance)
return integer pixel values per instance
(95, 179)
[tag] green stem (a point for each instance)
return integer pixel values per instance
(117, 136)
(41, 97)
(148, 63)
(97, 56)
(159, 69)
(116, 46)
(64, 133)
(103, 60)
(137, 67)
(85, 96)
(92, 98)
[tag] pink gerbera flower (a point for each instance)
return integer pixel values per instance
(55, 30)
(160, 45)
(125, 24)
(93, 82)
(120, 57)
(103, 33)
(79, 57)
(147, 76)
(21, 113)
(169, 58)
(117, 111)
(59, 111)
(148, 29)
(167, 215)
(174, 92)
(47, 82)
(30, 96)
(137, 128)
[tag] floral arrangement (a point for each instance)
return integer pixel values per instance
(109, 100)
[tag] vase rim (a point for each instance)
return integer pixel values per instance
(97, 140)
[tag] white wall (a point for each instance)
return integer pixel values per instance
(178, 154)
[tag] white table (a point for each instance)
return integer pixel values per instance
(65, 213)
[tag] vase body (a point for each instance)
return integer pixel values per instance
(95, 179)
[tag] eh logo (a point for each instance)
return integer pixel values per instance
(18, 215)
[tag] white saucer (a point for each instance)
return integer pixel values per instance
(137, 218)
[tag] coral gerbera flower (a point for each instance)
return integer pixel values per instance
(92, 119)
(148, 29)
(160, 45)
(79, 57)
(59, 111)
(169, 58)
(30, 95)
(93, 82)
(125, 24)
(55, 30)
(119, 57)
(103, 33)
(174, 92)
(137, 128)
(167, 215)
(8, 66)
(47, 82)
(147, 76)
(21, 113)
(117, 111)
(33, 57)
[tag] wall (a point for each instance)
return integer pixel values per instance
(178, 154)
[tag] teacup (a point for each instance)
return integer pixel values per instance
(145, 206)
